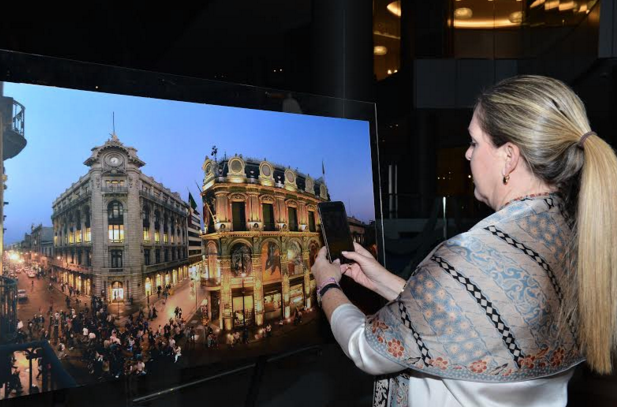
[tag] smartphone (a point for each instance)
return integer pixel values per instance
(335, 230)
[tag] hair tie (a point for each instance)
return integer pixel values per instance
(581, 142)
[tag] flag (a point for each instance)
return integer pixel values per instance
(323, 169)
(192, 202)
(193, 209)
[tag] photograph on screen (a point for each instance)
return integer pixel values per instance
(146, 235)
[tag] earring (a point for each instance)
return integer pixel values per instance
(506, 178)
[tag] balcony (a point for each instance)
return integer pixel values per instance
(13, 116)
(66, 205)
(71, 267)
(211, 282)
(161, 202)
(110, 190)
(164, 266)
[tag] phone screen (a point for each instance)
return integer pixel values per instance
(335, 230)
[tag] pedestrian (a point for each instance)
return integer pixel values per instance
(177, 353)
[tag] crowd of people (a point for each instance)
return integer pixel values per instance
(106, 349)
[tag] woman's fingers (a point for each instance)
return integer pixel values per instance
(354, 256)
(361, 250)
(322, 252)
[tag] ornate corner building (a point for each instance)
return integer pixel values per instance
(261, 240)
(118, 233)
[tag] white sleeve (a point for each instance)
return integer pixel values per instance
(347, 323)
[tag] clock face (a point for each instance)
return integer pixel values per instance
(265, 170)
(208, 168)
(290, 177)
(115, 161)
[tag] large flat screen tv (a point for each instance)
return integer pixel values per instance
(156, 224)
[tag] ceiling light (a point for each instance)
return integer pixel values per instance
(475, 24)
(570, 5)
(463, 13)
(380, 50)
(516, 17)
(536, 3)
(551, 4)
(395, 8)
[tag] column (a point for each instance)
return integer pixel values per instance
(307, 279)
(285, 293)
(302, 216)
(222, 204)
(258, 292)
(226, 298)
(281, 208)
(253, 208)
(342, 48)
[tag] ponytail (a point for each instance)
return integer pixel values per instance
(596, 247)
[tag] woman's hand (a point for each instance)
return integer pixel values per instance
(367, 272)
(323, 269)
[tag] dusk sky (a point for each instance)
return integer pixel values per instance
(172, 138)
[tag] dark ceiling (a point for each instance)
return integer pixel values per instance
(237, 40)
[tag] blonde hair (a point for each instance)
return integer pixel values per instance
(546, 120)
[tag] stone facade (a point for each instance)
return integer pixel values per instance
(104, 228)
(262, 236)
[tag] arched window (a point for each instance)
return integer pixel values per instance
(241, 260)
(146, 223)
(115, 217)
(294, 259)
(87, 233)
(271, 261)
(157, 227)
(71, 229)
(313, 250)
(78, 237)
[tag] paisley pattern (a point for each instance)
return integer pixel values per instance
(483, 305)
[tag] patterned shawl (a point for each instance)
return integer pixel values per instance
(483, 306)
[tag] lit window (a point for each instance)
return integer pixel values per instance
(116, 233)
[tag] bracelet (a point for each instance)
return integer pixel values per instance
(324, 289)
(329, 280)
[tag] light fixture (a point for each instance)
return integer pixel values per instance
(570, 5)
(551, 4)
(389, 71)
(395, 8)
(380, 50)
(516, 17)
(536, 3)
(463, 13)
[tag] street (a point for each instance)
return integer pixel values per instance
(40, 297)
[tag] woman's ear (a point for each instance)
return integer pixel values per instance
(512, 155)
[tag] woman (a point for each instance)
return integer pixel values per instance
(500, 315)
